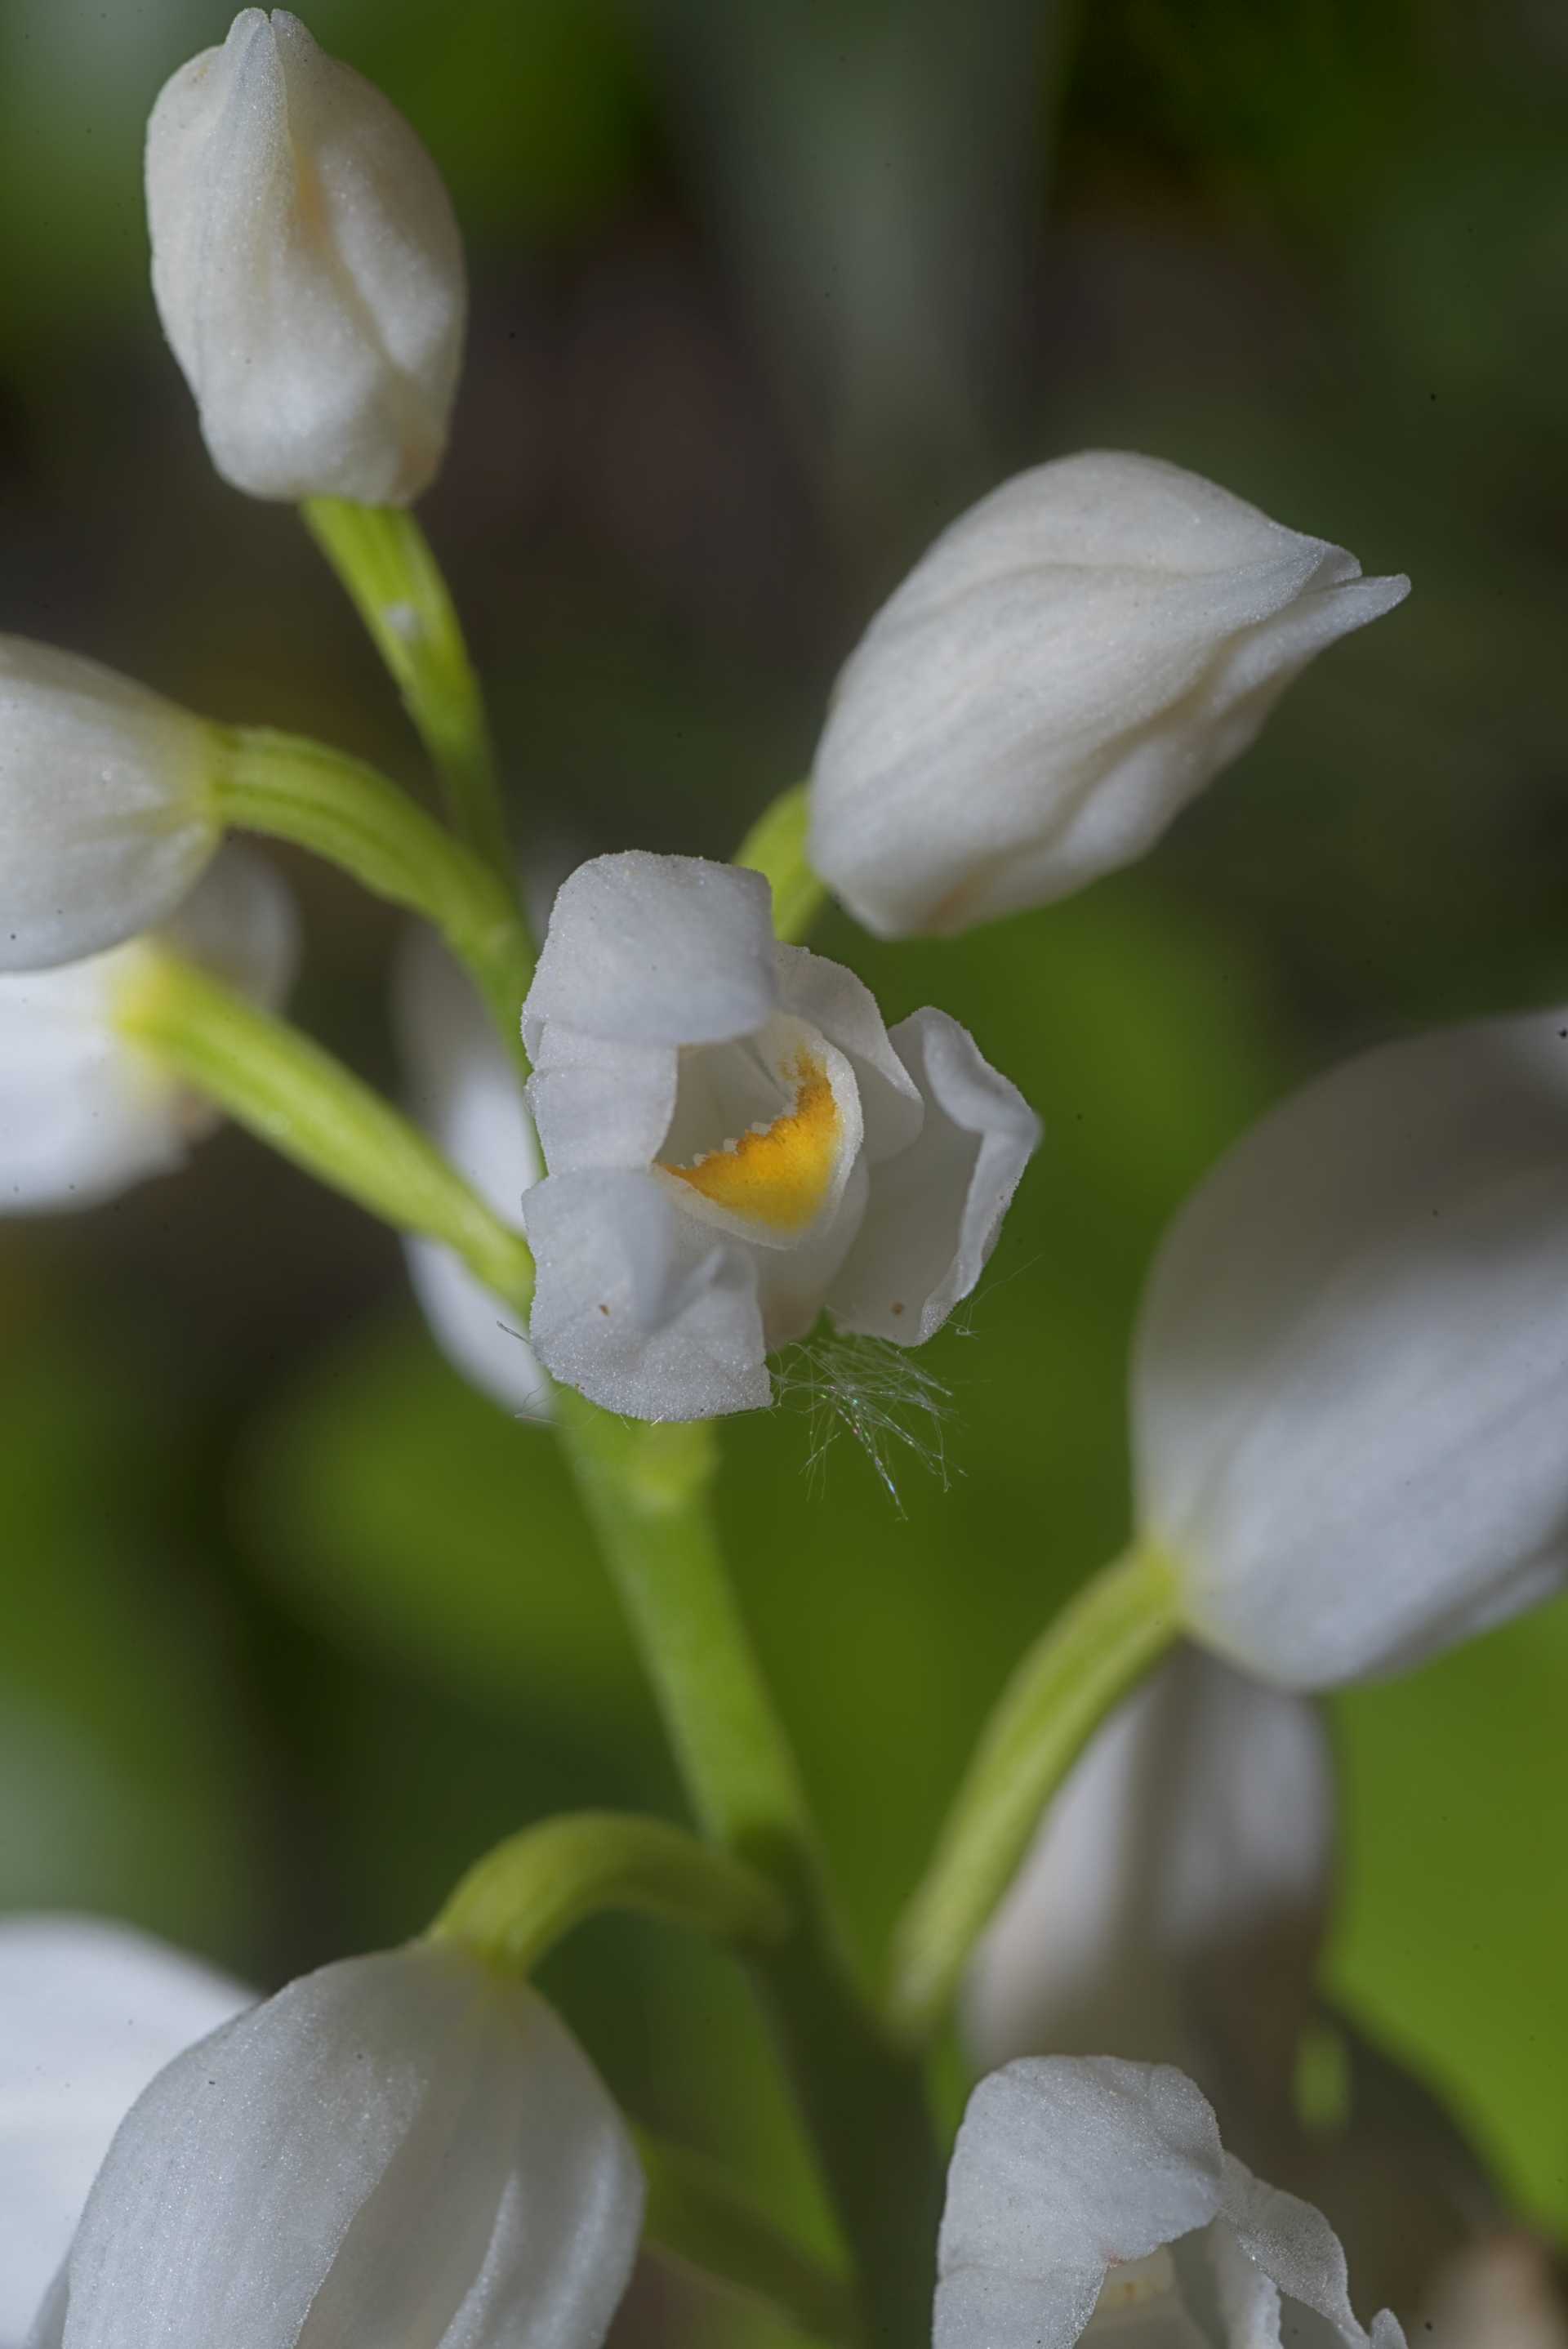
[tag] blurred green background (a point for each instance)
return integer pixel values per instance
(764, 291)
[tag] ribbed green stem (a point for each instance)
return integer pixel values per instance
(1094, 1650)
(293, 1095)
(776, 847)
(695, 2213)
(384, 561)
(322, 800)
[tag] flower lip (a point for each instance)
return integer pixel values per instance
(787, 1106)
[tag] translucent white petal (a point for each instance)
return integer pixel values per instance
(1062, 2168)
(307, 268)
(106, 814)
(936, 1208)
(1351, 1372)
(644, 949)
(398, 2147)
(1069, 665)
(88, 2013)
(599, 1104)
(1298, 2250)
(637, 1305)
(1176, 1898)
(844, 1008)
(1248, 2300)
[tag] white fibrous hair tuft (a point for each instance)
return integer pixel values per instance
(870, 1390)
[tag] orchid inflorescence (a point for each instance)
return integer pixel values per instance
(651, 1154)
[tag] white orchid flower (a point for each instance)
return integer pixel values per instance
(1350, 1380)
(89, 2012)
(734, 1142)
(400, 2147)
(1069, 665)
(1090, 2199)
(466, 1091)
(1177, 1896)
(107, 813)
(84, 1112)
(307, 268)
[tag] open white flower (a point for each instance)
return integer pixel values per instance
(467, 1093)
(307, 268)
(1069, 663)
(107, 813)
(84, 1112)
(1175, 1901)
(734, 1142)
(400, 2147)
(1090, 2199)
(89, 2012)
(1350, 1381)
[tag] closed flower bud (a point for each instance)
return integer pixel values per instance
(1350, 1379)
(107, 809)
(1176, 1899)
(466, 1093)
(403, 2147)
(1069, 665)
(307, 269)
(85, 1112)
(736, 1142)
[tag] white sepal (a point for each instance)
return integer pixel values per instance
(307, 269)
(1069, 665)
(1351, 1372)
(1176, 1898)
(107, 813)
(84, 1114)
(400, 2148)
(467, 1093)
(88, 2013)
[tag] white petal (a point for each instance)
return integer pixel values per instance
(466, 1091)
(644, 949)
(1297, 2249)
(106, 814)
(791, 1283)
(598, 1103)
(307, 269)
(936, 1208)
(1062, 2168)
(1175, 1900)
(1351, 1372)
(345, 2165)
(636, 1304)
(1069, 665)
(844, 1008)
(242, 925)
(88, 2013)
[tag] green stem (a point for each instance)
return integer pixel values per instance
(519, 1901)
(1102, 1641)
(292, 1094)
(646, 1489)
(776, 847)
(324, 800)
(384, 561)
(695, 2213)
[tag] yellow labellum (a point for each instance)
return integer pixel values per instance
(780, 1175)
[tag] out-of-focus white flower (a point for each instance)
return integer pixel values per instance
(734, 1142)
(307, 269)
(107, 813)
(85, 1112)
(1175, 1901)
(1072, 662)
(468, 1093)
(400, 2148)
(1090, 2199)
(1350, 1380)
(1497, 2295)
(88, 2013)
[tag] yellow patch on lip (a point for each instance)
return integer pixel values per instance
(780, 1175)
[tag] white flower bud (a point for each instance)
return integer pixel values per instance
(84, 1112)
(1176, 1898)
(307, 269)
(107, 809)
(1350, 1379)
(89, 2013)
(403, 2147)
(1069, 663)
